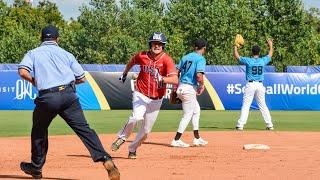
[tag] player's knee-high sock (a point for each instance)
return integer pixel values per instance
(178, 136)
(196, 134)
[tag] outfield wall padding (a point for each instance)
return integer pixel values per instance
(136, 68)
(303, 69)
(224, 91)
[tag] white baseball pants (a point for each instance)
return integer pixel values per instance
(256, 90)
(191, 108)
(144, 109)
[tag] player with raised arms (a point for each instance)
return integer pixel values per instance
(254, 87)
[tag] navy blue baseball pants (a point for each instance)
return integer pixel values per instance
(64, 103)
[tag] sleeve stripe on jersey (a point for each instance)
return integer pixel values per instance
(25, 67)
(80, 77)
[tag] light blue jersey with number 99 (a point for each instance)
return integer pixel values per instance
(255, 67)
(189, 66)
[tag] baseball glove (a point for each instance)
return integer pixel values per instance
(174, 98)
(239, 41)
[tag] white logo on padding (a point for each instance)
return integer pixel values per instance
(24, 89)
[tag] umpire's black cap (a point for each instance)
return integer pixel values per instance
(49, 33)
(200, 43)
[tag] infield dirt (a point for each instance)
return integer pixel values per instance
(293, 155)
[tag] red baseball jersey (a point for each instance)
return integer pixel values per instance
(149, 67)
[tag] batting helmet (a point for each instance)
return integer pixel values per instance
(158, 37)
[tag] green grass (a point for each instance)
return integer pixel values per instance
(19, 123)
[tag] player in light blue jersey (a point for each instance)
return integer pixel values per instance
(254, 87)
(191, 68)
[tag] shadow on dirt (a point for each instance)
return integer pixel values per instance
(25, 177)
(79, 155)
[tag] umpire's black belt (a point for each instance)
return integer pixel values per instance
(254, 81)
(56, 89)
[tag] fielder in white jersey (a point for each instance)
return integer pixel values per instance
(156, 69)
(254, 87)
(191, 68)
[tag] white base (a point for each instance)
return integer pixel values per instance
(256, 146)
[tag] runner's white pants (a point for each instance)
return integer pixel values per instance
(256, 90)
(191, 108)
(145, 110)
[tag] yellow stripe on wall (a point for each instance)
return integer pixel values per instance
(104, 105)
(213, 95)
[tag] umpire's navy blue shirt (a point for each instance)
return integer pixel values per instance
(52, 65)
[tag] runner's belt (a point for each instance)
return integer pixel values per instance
(254, 81)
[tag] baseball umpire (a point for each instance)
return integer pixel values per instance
(56, 72)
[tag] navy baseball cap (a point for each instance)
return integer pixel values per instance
(49, 33)
(200, 43)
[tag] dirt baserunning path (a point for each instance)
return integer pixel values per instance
(293, 155)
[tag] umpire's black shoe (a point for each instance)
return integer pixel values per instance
(112, 169)
(28, 168)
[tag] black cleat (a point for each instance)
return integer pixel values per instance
(132, 155)
(28, 168)
(269, 128)
(239, 128)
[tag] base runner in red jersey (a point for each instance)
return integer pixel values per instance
(156, 70)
